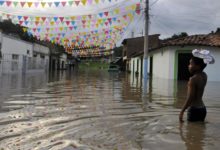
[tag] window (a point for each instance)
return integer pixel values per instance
(15, 56)
(34, 54)
(28, 52)
(42, 56)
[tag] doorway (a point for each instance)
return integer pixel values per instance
(151, 66)
(137, 71)
(183, 62)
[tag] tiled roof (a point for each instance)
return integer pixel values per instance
(203, 40)
(135, 46)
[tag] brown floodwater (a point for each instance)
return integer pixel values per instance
(97, 110)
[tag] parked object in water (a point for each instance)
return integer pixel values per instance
(114, 68)
(117, 65)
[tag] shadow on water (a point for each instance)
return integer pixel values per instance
(94, 109)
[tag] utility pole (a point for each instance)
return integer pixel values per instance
(145, 62)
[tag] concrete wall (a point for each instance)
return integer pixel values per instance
(29, 57)
(163, 63)
(41, 56)
(135, 65)
(213, 70)
(12, 45)
(63, 61)
(41, 49)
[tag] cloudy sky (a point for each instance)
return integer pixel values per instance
(191, 16)
(166, 16)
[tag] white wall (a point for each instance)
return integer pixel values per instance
(63, 58)
(42, 56)
(34, 63)
(213, 70)
(134, 62)
(163, 63)
(41, 49)
(12, 45)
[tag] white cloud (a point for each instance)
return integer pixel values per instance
(191, 16)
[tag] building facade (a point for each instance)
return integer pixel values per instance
(18, 56)
(171, 59)
(133, 50)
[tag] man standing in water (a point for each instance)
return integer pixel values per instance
(196, 86)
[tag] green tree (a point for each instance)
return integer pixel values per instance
(179, 35)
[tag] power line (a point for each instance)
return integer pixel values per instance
(154, 3)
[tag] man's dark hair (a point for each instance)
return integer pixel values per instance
(199, 61)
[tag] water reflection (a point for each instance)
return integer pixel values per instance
(98, 110)
(193, 135)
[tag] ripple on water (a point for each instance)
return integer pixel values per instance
(106, 113)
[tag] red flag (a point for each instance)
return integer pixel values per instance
(25, 18)
(83, 21)
(63, 3)
(22, 4)
(71, 28)
(67, 22)
(106, 13)
(21, 22)
(77, 3)
(8, 3)
(43, 18)
(61, 19)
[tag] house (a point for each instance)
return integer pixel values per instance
(40, 57)
(19, 56)
(171, 59)
(133, 49)
(63, 61)
(58, 61)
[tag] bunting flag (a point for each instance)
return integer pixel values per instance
(46, 4)
(91, 17)
(88, 23)
(92, 34)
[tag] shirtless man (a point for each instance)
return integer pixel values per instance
(196, 86)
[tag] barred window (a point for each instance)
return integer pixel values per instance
(15, 56)
(42, 56)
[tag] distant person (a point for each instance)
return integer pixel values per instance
(196, 85)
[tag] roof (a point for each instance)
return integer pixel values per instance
(135, 46)
(202, 40)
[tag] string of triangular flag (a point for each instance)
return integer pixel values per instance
(101, 15)
(67, 30)
(49, 4)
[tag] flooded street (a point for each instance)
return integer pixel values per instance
(97, 110)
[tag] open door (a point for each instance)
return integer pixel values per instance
(183, 62)
(151, 66)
